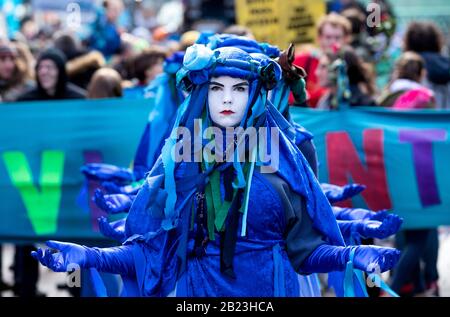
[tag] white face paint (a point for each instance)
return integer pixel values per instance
(227, 100)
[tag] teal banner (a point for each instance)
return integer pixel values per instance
(402, 157)
(42, 147)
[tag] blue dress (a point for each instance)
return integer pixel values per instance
(280, 235)
(288, 218)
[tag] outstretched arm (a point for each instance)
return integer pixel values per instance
(370, 228)
(336, 193)
(310, 253)
(328, 258)
(384, 216)
(114, 230)
(60, 256)
(107, 172)
(113, 188)
(113, 204)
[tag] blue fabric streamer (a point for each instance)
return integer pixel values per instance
(280, 289)
(97, 283)
(83, 197)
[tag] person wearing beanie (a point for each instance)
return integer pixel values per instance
(51, 79)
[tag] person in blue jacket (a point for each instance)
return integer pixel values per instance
(105, 35)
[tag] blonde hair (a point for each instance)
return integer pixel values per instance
(105, 83)
(334, 20)
(25, 60)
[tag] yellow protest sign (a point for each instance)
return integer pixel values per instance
(281, 22)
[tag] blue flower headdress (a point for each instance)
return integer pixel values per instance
(199, 66)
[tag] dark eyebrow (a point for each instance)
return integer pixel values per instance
(241, 84)
(216, 84)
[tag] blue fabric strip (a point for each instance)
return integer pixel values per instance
(247, 193)
(182, 289)
(349, 290)
(97, 283)
(387, 289)
(362, 284)
(82, 200)
(279, 285)
(169, 167)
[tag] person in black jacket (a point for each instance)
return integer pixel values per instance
(51, 79)
(426, 39)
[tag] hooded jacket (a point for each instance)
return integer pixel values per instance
(64, 89)
(438, 77)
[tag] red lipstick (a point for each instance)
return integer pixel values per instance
(227, 112)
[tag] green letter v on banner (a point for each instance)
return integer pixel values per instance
(41, 200)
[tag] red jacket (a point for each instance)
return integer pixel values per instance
(309, 61)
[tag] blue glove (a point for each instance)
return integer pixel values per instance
(391, 222)
(114, 230)
(369, 228)
(379, 215)
(113, 204)
(351, 213)
(364, 214)
(59, 261)
(117, 260)
(328, 258)
(107, 172)
(336, 193)
(113, 188)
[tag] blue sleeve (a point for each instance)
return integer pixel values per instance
(300, 235)
(116, 260)
(351, 213)
(309, 152)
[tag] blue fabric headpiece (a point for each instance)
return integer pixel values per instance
(199, 66)
(202, 63)
(214, 41)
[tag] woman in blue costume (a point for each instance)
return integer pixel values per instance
(225, 229)
(292, 80)
(166, 93)
(167, 98)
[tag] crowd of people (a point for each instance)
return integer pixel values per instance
(62, 66)
(340, 71)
